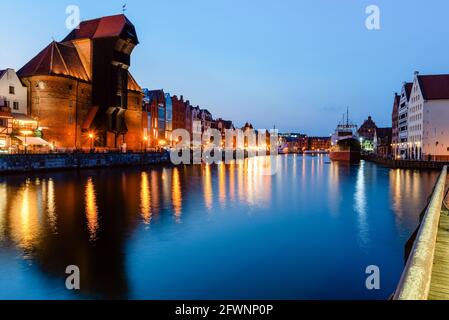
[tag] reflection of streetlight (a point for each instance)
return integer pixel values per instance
(26, 133)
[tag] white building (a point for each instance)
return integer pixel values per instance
(12, 92)
(428, 118)
(13, 100)
(403, 120)
(13, 113)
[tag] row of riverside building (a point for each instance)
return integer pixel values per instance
(421, 119)
(78, 94)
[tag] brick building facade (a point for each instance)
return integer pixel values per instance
(81, 87)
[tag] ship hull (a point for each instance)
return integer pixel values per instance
(347, 156)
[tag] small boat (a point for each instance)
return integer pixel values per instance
(345, 142)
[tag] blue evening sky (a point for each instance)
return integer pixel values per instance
(295, 64)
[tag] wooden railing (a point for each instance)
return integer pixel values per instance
(415, 280)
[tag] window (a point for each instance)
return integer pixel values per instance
(12, 90)
(70, 119)
(7, 103)
(15, 105)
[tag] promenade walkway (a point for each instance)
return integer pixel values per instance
(439, 284)
(426, 274)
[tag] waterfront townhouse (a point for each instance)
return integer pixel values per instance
(179, 112)
(81, 91)
(206, 119)
(154, 101)
(395, 126)
(382, 142)
(428, 118)
(15, 124)
(403, 120)
(366, 132)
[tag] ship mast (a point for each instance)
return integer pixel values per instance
(347, 116)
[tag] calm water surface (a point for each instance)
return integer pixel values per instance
(209, 232)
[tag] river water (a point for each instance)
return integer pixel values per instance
(309, 231)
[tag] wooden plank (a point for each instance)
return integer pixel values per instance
(439, 285)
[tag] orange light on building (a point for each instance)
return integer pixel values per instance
(91, 138)
(26, 133)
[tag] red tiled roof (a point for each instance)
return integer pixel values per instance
(111, 26)
(56, 59)
(434, 87)
(132, 84)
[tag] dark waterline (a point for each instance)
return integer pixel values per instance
(210, 232)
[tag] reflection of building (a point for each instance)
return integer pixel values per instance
(395, 126)
(382, 142)
(82, 86)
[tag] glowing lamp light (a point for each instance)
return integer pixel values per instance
(26, 132)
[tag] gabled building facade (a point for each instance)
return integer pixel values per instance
(395, 127)
(14, 119)
(428, 118)
(403, 120)
(81, 87)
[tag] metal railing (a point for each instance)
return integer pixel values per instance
(416, 278)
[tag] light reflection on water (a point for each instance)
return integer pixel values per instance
(220, 231)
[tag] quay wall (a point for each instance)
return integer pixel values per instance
(407, 164)
(43, 162)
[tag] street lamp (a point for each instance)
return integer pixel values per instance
(91, 138)
(145, 143)
(26, 133)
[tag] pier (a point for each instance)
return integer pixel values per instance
(426, 274)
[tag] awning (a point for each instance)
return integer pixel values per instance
(34, 141)
(23, 118)
(90, 117)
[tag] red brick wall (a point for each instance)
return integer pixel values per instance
(60, 107)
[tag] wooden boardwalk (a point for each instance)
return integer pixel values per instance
(439, 284)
